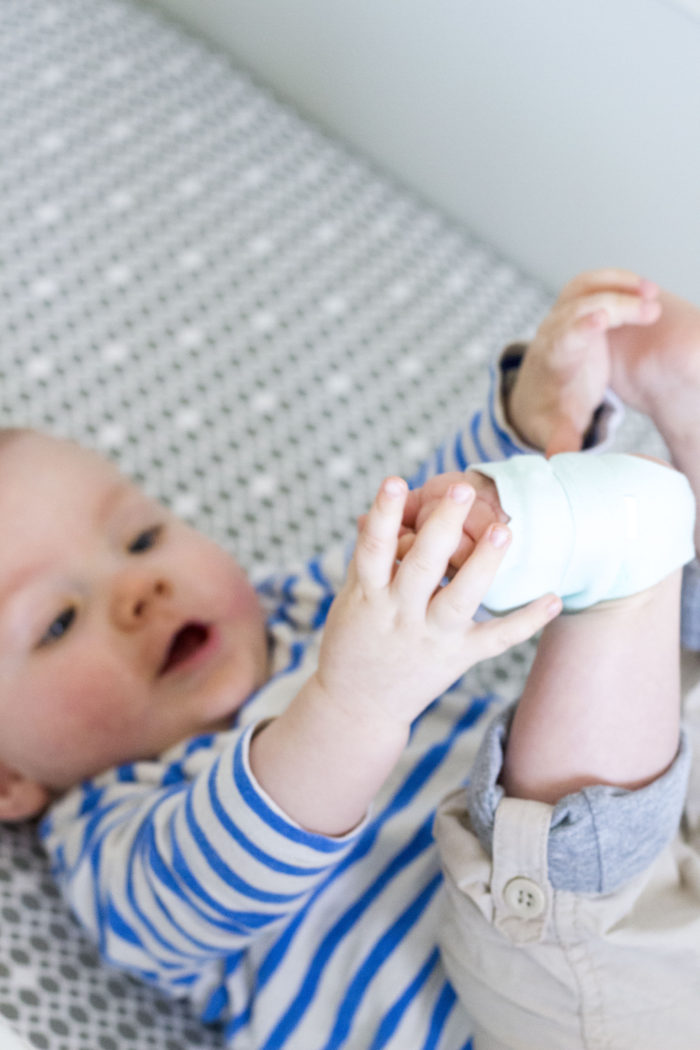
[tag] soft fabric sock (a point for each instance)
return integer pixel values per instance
(589, 527)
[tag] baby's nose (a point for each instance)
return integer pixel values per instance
(134, 598)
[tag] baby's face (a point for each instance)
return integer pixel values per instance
(122, 630)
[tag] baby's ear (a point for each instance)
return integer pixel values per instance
(20, 797)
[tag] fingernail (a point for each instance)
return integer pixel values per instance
(393, 487)
(498, 536)
(459, 493)
(554, 607)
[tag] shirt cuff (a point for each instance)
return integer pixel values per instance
(273, 819)
(606, 418)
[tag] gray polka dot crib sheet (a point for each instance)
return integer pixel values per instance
(248, 317)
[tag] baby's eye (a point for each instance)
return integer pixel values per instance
(60, 626)
(145, 540)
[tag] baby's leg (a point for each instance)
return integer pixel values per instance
(572, 906)
(574, 921)
(602, 701)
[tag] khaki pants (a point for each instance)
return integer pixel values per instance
(544, 969)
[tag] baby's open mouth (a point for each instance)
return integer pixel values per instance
(185, 643)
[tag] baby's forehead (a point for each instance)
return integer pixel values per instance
(58, 502)
(62, 453)
(38, 468)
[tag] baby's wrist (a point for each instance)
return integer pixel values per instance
(528, 425)
(322, 766)
(358, 719)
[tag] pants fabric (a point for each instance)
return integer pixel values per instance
(590, 944)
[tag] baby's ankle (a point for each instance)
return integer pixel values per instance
(633, 603)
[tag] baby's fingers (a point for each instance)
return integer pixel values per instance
(613, 309)
(454, 606)
(609, 279)
(496, 636)
(375, 552)
(425, 563)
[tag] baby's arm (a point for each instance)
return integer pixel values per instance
(602, 702)
(567, 366)
(393, 642)
(548, 402)
(613, 328)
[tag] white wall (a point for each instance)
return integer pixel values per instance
(566, 132)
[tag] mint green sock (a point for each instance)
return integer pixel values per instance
(589, 527)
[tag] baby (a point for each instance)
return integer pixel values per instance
(240, 803)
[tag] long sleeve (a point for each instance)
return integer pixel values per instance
(184, 859)
(171, 864)
(489, 435)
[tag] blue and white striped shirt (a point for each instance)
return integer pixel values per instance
(190, 877)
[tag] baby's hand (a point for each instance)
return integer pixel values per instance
(420, 503)
(395, 639)
(567, 366)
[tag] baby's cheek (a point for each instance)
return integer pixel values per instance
(94, 696)
(95, 709)
(221, 580)
(80, 733)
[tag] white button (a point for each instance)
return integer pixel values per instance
(524, 898)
